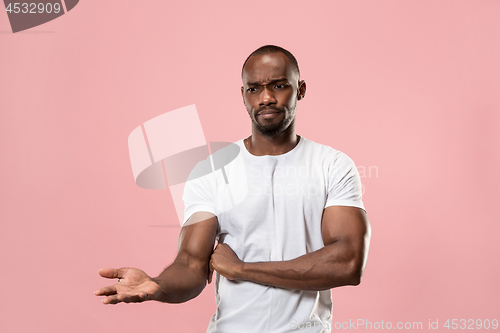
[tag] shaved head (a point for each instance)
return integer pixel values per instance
(268, 49)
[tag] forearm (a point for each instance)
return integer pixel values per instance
(324, 269)
(179, 283)
(346, 233)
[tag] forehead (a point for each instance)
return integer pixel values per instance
(268, 67)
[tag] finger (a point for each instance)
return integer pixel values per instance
(111, 290)
(115, 299)
(111, 300)
(112, 273)
(210, 272)
(141, 297)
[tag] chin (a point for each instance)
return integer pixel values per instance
(272, 132)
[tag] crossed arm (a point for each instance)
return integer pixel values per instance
(345, 232)
(346, 235)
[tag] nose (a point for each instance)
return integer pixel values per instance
(267, 97)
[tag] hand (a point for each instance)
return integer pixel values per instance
(133, 286)
(226, 262)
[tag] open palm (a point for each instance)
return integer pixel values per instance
(133, 286)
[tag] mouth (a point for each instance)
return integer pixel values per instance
(268, 113)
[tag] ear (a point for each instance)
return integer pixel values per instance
(243, 94)
(301, 92)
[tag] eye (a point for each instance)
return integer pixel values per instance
(251, 90)
(280, 86)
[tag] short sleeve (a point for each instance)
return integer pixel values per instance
(198, 195)
(344, 183)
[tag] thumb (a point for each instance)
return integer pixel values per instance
(111, 273)
(210, 272)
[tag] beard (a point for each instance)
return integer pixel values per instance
(273, 129)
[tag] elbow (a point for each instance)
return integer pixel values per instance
(354, 280)
(357, 263)
(354, 273)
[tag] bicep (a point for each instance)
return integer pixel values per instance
(346, 226)
(197, 239)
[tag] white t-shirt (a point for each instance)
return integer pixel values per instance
(269, 208)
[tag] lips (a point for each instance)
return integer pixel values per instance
(269, 114)
(270, 111)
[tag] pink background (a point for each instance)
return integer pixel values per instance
(410, 88)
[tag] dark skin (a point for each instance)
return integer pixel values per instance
(183, 280)
(271, 89)
(271, 85)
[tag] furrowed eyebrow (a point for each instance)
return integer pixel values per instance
(270, 82)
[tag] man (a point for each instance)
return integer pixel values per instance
(299, 230)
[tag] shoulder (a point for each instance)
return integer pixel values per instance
(330, 158)
(327, 152)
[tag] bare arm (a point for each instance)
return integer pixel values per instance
(188, 274)
(346, 235)
(183, 280)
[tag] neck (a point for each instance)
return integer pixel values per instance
(259, 144)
